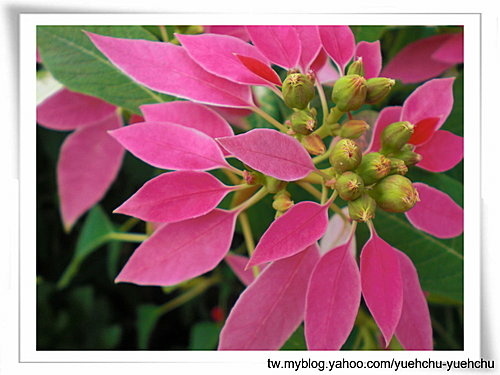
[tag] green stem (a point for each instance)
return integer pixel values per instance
(324, 194)
(129, 224)
(252, 200)
(248, 236)
(188, 295)
(324, 130)
(230, 174)
(163, 32)
(322, 98)
(269, 119)
(326, 155)
(128, 237)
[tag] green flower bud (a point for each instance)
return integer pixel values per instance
(349, 92)
(274, 185)
(374, 167)
(345, 156)
(395, 194)
(303, 122)
(363, 208)
(408, 155)
(398, 166)
(349, 186)
(298, 90)
(353, 129)
(357, 67)
(377, 89)
(282, 201)
(313, 144)
(396, 135)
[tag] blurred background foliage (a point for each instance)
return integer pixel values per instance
(79, 307)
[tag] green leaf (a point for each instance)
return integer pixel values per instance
(204, 336)
(297, 341)
(147, 317)
(439, 262)
(94, 234)
(74, 61)
(368, 33)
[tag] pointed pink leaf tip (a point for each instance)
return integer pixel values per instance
(372, 58)
(216, 54)
(338, 42)
(272, 307)
(88, 164)
(382, 284)
(442, 152)
(333, 298)
(280, 44)
(180, 251)
(301, 226)
(432, 99)
(414, 330)
(310, 45)
(175, 196)
(416, 62)
(436, 213)
(270, 152)
(171, 146)
(238, 265)
(167, 68)
(259, 68)
(68, 110)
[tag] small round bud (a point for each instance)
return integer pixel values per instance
(395, 194)
(408, 155)
(303, 122)
(349, 186)
(363, 208)
(396, 135)
(298, 90)
(274, 185)
(373, 167)
(349, 92)
(313, 144)
(353, 129)
(398, 166)
(357, 67)
(282, 201)
(377, 89)
(345, 156)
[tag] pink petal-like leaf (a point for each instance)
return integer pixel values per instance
(386, 117)
(259, 68)
(443, 151)
(452, 50)
(432, 99)
(424, 130)
(436, 213)
(337, 233)
(280, 44)
(170, 146)
(167, 68)
(301, 226)
(310, 45)
(180, 251)
(382, 284)
(272, 307)
(189, 114)
(88, 164)
(332, 301)
(235, 116)
(216, 54)
(414, 63)
(175, 196)
(338, 42)
(372, 58)
(414, 330)
(237, 31)
(270, 152)
(67, 110)
(238, 264)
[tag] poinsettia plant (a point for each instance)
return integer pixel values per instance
(334, 158)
